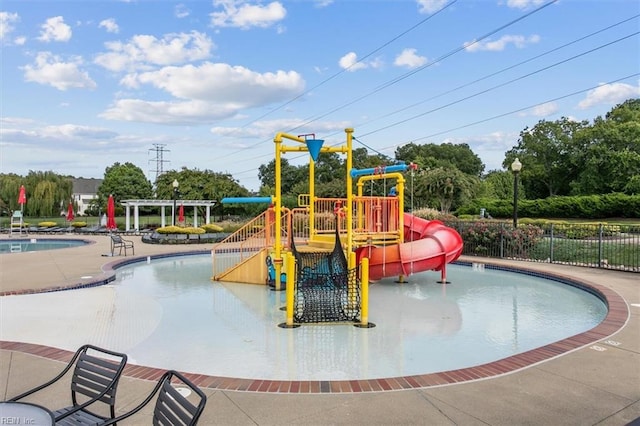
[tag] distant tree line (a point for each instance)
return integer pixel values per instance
(560, 158)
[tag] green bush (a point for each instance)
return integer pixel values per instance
(47, 224)
(211, 228)
(79, 224)
(179, 230)
(486, 238)
(581, 207)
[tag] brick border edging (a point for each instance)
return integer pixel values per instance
(616, 318)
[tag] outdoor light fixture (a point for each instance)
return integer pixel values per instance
(175, 185)
(516, 166)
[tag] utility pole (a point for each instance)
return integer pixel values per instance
(159, 149)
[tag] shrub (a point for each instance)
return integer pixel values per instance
(79, 224)
(211, 228)
(585, 206)
(433, 214)
(47, 224)
(487, 236)
(179, 230)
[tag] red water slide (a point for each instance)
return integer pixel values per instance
(429, 245)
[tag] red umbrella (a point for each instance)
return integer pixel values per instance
(181, 213)
(70, 215)
(111, 213)
(22, 197)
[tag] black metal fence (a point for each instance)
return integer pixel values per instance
(597, 246)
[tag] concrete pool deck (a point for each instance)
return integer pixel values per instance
(593, 381)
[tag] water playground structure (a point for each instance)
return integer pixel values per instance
(325, 251)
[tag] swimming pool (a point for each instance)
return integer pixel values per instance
(34, 244)
(166, 313)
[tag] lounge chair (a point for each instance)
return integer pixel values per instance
(117, 242)
(172, 408)
(95, 380)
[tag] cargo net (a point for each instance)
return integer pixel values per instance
(326, 290)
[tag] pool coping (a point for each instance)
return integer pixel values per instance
(617, 316)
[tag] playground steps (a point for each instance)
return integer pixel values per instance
(250, 271)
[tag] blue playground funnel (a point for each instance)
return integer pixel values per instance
(314, 146)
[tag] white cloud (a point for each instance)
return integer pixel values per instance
(609, 94)
(207, 93)
(350, 62)
(6, 23)
(224, 84)
(502, 43)
(54, 29)
(20, 41)
(144, 50)
(542, 110)
(524, 4)
(170, 113)
(50, 70)
(267, 128)
(430, 6)
(242, 14)
(69, 135)
(110, 25)
(323, 3)
(181, 11)
(409, 59)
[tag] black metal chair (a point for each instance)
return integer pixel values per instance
(172, 408)
(95, 380)
(117, 242)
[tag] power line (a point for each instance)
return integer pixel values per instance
(501, 71)
(406, 75)
(539, 70)
(413, 72)
(342, 71)
(578, 92)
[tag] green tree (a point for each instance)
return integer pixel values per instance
(609, 154)
(500, 185)
(197, 184)
(289, 175)
(446, 155)
(9, 190)
(447, 188)
(546, 152)
(125, 182)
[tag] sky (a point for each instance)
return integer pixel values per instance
(208, 84)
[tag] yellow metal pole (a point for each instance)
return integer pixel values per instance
(349, 132)
(312, 199)
(277, 248)
(364, 282)
(291, 270)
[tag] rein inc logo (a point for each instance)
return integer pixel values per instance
(16, 420)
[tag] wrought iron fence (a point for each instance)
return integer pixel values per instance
(591, 245)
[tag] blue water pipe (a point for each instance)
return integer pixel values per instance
(245, 200)
(382, 169)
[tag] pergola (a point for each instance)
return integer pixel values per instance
(162, 204)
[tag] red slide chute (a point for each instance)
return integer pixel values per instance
(429, 245)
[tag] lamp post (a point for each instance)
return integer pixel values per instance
(516, 166)
(175, 185)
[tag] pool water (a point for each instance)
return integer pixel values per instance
(167, 313)
(19, 246)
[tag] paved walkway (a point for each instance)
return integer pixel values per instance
(595, 380)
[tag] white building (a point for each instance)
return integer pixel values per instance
(83, 192)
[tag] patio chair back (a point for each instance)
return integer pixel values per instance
(172, 407)
(95, 379)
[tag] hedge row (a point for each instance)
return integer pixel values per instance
(581, 207)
